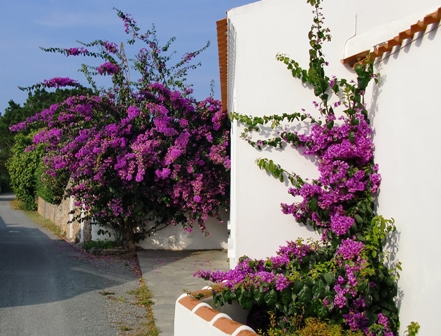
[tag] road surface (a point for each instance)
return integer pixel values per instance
(47, 287)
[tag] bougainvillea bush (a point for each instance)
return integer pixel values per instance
(141, 154)
(341, 279)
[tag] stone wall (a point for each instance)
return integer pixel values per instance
(59, 215)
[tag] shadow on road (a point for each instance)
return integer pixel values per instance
(7, 196)
(36, 267)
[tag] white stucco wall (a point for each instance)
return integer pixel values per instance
(260, 85)
(176, 238)
(408, 148)
(405, 111)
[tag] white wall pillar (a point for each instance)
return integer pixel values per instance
(71, 216)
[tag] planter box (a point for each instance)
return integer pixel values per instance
(195, 315)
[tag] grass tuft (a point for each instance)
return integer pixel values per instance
(17, 204)
(144, 298)
(105, 293)
(125, 328)
(46, 223)
(104, 244)
(134, 292)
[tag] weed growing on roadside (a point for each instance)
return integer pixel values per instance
(105, 293)
(125, 328)
(144, 298)
(104, 244)
(46, 223)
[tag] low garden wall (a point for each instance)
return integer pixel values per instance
(195, 315)
(176, 238)
(170, 238)
(60, 216)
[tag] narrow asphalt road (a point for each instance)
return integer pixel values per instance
(46, 286)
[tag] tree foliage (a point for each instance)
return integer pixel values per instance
(141, 154)
(15, 113)
(22, 167)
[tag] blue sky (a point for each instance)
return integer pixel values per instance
(26, 25)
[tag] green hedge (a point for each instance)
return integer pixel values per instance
(21, 167)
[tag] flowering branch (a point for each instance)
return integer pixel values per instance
(141, 155)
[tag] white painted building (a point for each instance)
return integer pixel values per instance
(404, 107)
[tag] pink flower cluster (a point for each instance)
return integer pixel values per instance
(58, 82)
(257, 273)
(350, 249)
(110, 47)
(76, 51)
(160, 150)
(107, 68)
(345, 154)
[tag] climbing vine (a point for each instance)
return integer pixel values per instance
(343, 278)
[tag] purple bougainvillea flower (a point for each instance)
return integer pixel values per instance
(58, 82)
(107, 68)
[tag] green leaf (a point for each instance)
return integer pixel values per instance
(246, 299)
(362, 287)
(298, 285)
(286, 296)
(358, 219)
(259, 296)
(329, 278)
(226, 295)
(271, 298)
(357, 98)
(318, 290)
(322, 312)
(360, 237)
(305, 294)
(313, 204)
(318, 91)
(368, 300)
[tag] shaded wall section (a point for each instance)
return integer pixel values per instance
(60, 216)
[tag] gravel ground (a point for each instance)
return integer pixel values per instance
(124, 313)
